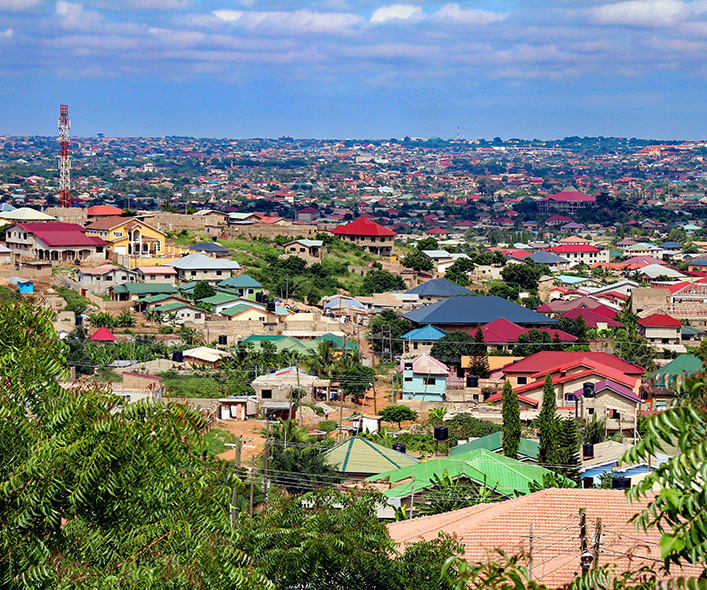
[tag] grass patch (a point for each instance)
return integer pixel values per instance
(74, 301)
(216, 440)
(190, 385)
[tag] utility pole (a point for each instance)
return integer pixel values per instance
(583, 540)
(597, 544)
(236, 468)
(252, 485)
(375, 402)
(266, 483)
(530, 554)
(412, 495)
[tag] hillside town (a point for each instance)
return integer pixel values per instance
(481, 333)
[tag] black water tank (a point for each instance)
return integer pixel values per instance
(587, 482)
(441, 433)
(472, 381)
(271, 307)
(178, 356)
(223, 340)
(260, 297)
(588, 451)
(620, 483)
(79, 320)
(588, 389)
(400, 447)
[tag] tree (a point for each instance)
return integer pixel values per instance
(678, 510)
(202, 290)
(449, 494)
(418, 261)
(458, 271)
(505, 290)
(631, 347)
(511, 421)
(398, 414)
(356, 381)
(547, 424)
(380, 281)
(567, 456)
(479, 361)
(451, 347)
(428, 243)
(526, 276)
(388, 329)
(96, 493)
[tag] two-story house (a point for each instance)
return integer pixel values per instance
(197, 267)
(54, 241)
(424, 378)
(660, 329)
(369, 235)
(128, 236)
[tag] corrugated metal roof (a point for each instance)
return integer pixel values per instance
(358, 455)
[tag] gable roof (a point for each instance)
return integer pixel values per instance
(103, 335)
(540, 362)
(61, 234)
(684, 365)
(476, 310)
(438, 288)
(544, 257)
(592, 318)
(503, 330)
(424, 333)
(570, 196)
(208, 247)
(103, 210)
(493, 442)
(198, 261)
(241, 282)
(659, 320)
(425, 364)
(358, 455)
(363, 227)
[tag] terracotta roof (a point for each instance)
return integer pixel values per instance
(102, 335)
(108, 223)
(503, 330)
(363, 227)
(104, 210)
(554, 517)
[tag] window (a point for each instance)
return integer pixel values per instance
(218, 273)
(522, 380)
(197, 316)
(250, 291)
(407, 367)
(414, 345)
(408, 379)
(153, 277)
(590, 411)
(266, 394)
(118, 234)
(193, 273)
(428, 380)
(614, 414)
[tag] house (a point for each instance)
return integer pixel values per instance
(99, 279)
(671, 250)
(57, 242)
(212, 249)
(569, 371)
(357, 458)
(553, 516)
(181, 312)
(163, 274)
(567, 201)
(468, 313)
(580, 253)
(6, 255)
(659, 273)
(198, 267)
(438, 289)
(245, 286)
(369, 235)
(22, 285)
(554, 262)
(554, 220)
(100, 211)
(203, 355)
(302, 247)
(502, 334)
(528, 449)
(128, 236)
(308, 215)
(103, 335)
(424, 378)
(422, 339)
(613, 402)
(662, 331)
(661, 384)
(592, 319)
(276, 387)
(137, 291)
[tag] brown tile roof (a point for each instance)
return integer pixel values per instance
(554, 516)
(108, 223)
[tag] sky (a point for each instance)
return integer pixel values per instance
(336, 69)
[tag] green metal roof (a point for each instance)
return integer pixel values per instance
(236, 309)
(494, 442)
(496, 472)
(241, 282)
(155, 298)
(219, 298)
(358, 455)
(685, 364)
(172, 307)
(337, 342)
(281, 343)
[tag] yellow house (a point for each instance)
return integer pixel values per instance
(128, 236)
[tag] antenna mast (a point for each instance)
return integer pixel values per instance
(64, 160)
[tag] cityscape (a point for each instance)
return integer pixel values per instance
(338, 295)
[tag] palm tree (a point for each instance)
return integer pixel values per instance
(322, 362)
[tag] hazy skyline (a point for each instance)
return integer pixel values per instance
(363, 69)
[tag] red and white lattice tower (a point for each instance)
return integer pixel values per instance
(64, 160)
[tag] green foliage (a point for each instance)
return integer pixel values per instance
(479, 365)
(97, 494)
(388, 325)
(464, 426)
(678, 510)
(74, 301)
(102, 319)
(398, 414)
(567, 455)
(594, 431)
(536, 341)
(327, 425)
(356, 380)
(216, 440)
(418, 261)
(202, 290)
(437, 414)
(505, 290)
(511, 421)
(428, 243)
(451, 347)
(631, 347)
(125, 320)
(459, 271)
(452, 494)
(525, 276)
(381, 281)
(551, 480)
(547, 424)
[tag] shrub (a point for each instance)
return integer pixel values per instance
(328, 425)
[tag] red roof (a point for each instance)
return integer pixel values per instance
(592, 318)
(104, 210)
(564, 248)
(567, 196)
(503, 330)
(61, 234)
(558, 218)
(547, 359)
(102, 335)
(659, 319)
(363, 227)
(436, 230)
(496, 397)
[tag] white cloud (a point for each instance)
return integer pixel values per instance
(641, 13)
(73, 16)
(398, 12)
(17, 4)
(467, 16)
(160, 4)
(7, 33)
(304, 21)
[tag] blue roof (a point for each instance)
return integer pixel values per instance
(208, 247)
(670, 245)
(439, 288)
(425, 333)
(476, 311)
(542, 257)
(570, 280)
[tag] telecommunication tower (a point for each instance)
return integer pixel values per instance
(64, 160)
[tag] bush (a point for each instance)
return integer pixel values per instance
(328, 425)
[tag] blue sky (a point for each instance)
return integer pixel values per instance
(359, 69)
